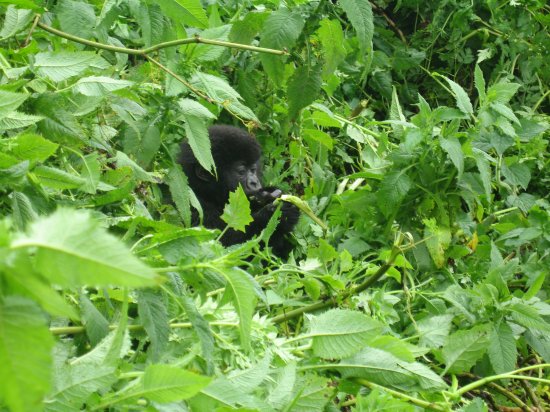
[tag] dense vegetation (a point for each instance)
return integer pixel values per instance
(415, 134)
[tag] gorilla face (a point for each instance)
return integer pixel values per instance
(247, 175)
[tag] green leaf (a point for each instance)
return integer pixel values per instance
(241, 291)
(193, 108)
(57, 179)
(10, 101)
(206, 52)
(332, 39)
(73, 250)
(340, 333)
(76, 18)
(393, 189)
(59, 66)
(25, 354)
(517, 174)
(281, 30)
(438, 239)
(454, 149)
(222, 93)
(99, 85)
(480, 84)
(18, 120)
(303, 88)
(462, 99)
(153, 316)
(122, 160)
(97, 327)
(179, 190)
(189, 12)
(434, 330)
(197, 136)
(15, 20)
(502, 349)
(464, 348)
(359, 13)
(502, 92)
(237, 213)
(33, 147)
(528, 317)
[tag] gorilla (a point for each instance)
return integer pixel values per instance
(237, 157)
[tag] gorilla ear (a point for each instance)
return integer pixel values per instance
(202, 174)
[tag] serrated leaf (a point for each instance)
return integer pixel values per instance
(60, 66)
(502, 349)
(10, 101)
(197, 136)
(25, 354)
(237, 213)
(76, 17)
(438, 239)
(33, 147)
(303, 88)
(502, 92)
(359, 13)
(464, 348)
(528, 317)
(153, 315)
(462, 99)
(99, 85)
(189, 12)
(434, 330)
(393, 189)
(281, 30)
(506, 112)
(484, 171)
(454, 149)
(72, 250)
(122, 160)
(332, 39)
(18, 120)
(206, 52)
(517, 174)
(479, 81)
(179, 190)
(57, 178)
(341, 333)
(15, 20)
(193, 108)
(97, 327)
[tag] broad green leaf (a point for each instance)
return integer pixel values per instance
(90, 171)
(464, 348)
(502, 92)
(15, 20)
(303, 88)
(484, 171)
(97, 327)
(179, 190)
(33, 147)
(454, 149)
(197, 136)
(285, 382)
(540, 341)
(207, 52)
(396, 114)
(434, 330)
(99, 85)
(22, 209)
(340, 333)
(122, 160)
(517, 174)
(479, 81)
(193, 108)
(189, 12)
(18, 120)
(60, 66)
(438, 239)
(10, 101)
(223, 94)
(57, 179)
(76, 17)
(15, 173)
(528, 317)
(153, 315)
(25, 354)
(281, 30)
(393, 189)
(380, 400)
(237, 213)
(311, 393)
(332, 39)
(502, 349)
(241, 290)
(72, 250)
(359, 13)
(385, 369)
(506, 112)
(462, 99)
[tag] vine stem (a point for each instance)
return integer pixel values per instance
(172, 43)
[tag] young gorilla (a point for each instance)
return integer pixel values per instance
(237, 157)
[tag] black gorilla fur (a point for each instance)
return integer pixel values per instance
(237, 157)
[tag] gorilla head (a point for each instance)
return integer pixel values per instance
(237, 156)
